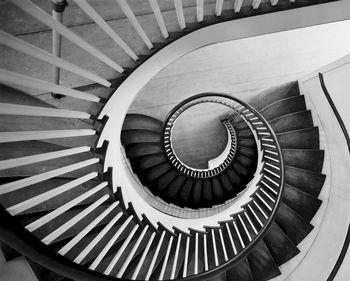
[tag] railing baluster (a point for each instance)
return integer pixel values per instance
(251, 223)
(97, 239)
(180, 13)
(205, 252)
(150, 269)
(159, 18)
(87, 229)
(91, 12)
(24, 47)
(26, 110)
(173, 270)
(200, 10)
(41, 15)
(218, 7)
(165, 261)
(256, 4)
(143, 257)
(261, 210)
(110, 243)
(196, 254)
(267, 195)
(121, 250)
(132, 252)
(214, 248)
(238, 234)
(272, 173)
(26, 160)
(63, 228)
(26, 81)
(36, 200)
(231, 239)
(223, 244)
(256, 217)
(274, 2)
(124, 6)
(238, 6)
(245, 228)
(15, 185)
(264, 202)
(43, 135)
(184, 272)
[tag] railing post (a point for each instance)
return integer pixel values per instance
(58, 7)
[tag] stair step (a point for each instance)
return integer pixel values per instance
(292, 224)
(291, 122)
(142, 149)
(186, 190)
(234, 178)
(207, 192)
(262, 264)
(217, 190)
(302, 203)
(248, 143)
(307, 159)
(246, 133)
(280, 246)
(241, 171)
(246, 162)
(274, 94)
(161, 184)
(139, 136)
(307, 181)
(226, 185)
(156, 171)
(250, 153)
(175, 186)
(283, 107)
(148, 161)
(197, 192)
(142, 122)
(300, 139)
(241, 271)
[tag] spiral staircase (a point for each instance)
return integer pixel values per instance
(61, 208)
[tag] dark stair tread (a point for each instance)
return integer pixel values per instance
(185, 192)
(262, 264)
(248, 143)
(139, 121)
(302, 203)
(155, 172)
(307, 159)
(207, 192)
(142, 149)
(241, 171)
(246, 133)
(292, 224)
(246, 162)
(139, 136)
(250, 153)
(283, 107)
(218, 193)
(300, 139)
(226, 185)
(175, 186)
(162, 182)
(292, 121)
(280, 246)
(235, 179)
(274, 94)
(240, 272)
(307, 181)
(197, 192)
(148, 161)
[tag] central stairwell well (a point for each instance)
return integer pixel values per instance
(60, 207)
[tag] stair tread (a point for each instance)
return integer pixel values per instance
(142, 149)
(292, 121)
(299, 139)
(138, 121)
(139, 136)
(307, 159)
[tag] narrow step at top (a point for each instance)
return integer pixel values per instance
(274, 94)
(142, 122)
